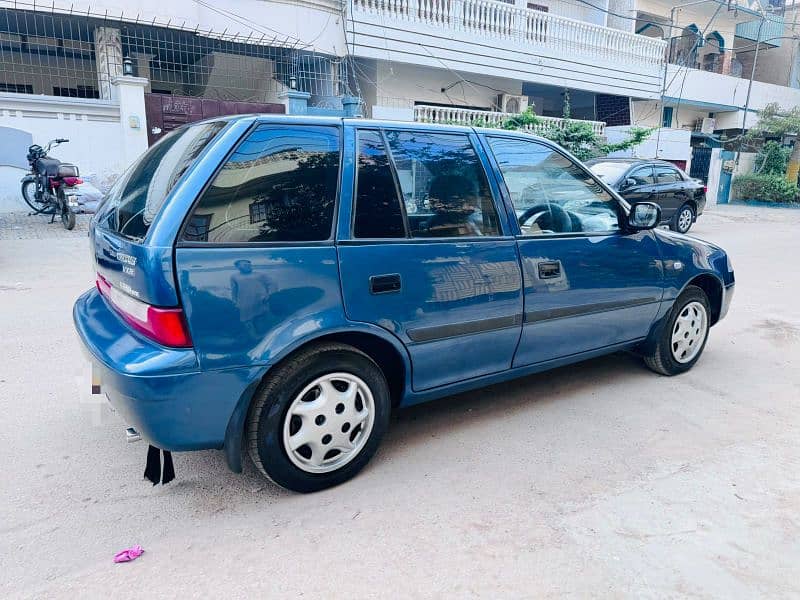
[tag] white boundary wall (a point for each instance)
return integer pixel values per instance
(104, 136)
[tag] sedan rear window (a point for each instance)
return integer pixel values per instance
(137, 196)
(609, 172)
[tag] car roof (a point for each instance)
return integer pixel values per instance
(631, 161)
(376, 123)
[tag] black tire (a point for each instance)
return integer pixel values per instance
(683, 219)
(67, 216)
(662, 360)
(274, 397)
(68, 219)
(28, 191)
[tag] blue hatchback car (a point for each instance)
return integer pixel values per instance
(278, 285)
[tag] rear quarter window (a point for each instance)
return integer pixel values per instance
(279, 185)
(137, 196)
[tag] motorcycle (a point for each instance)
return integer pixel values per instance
(50, 187)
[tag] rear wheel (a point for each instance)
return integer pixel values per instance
(319, 418)
(683, 219)
(67, 216)
(684, 337)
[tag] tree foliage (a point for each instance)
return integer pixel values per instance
(772, 159)
(774, 121)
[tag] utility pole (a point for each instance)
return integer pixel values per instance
(749, 89)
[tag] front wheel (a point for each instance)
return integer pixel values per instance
(318, 419)
(684, 336)
(29, 195)
(683, 219)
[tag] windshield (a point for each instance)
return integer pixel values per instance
(138, 195)
(609, 172)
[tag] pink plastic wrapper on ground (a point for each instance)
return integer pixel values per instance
(128, 554)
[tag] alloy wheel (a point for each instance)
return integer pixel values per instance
(685, 220)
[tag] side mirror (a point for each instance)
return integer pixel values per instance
(644, 215)
(629, 182)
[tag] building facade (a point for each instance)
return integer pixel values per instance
(119, 75)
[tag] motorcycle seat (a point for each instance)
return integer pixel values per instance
(48, 166)
(67, 170)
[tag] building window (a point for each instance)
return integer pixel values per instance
(81, 91)
(666, 118)
(539, 7)
(16, 88)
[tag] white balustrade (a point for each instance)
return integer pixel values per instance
(493, 19)
(452, 115)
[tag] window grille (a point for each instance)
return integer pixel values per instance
(79, 54)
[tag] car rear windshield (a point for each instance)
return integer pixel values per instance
(137, 196)
(609, 172)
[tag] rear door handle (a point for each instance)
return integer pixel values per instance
(385, 284)
(549, 269)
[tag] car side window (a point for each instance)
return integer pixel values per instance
(550, 193)
(378, 213)
(667, 174)
(444, 187)
(278, 186)
(643, 176)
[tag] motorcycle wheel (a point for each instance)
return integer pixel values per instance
(68, 219)
(67, 216)
(29, 195)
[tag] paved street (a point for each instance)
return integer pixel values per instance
(600, 479)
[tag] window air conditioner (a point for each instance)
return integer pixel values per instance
(512, 103)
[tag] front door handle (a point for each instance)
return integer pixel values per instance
(549, 269)
(385, 284)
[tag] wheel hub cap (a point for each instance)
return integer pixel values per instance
(328, 423)
(689, 332)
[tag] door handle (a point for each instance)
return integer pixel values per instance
(385, 284)
(549, 269)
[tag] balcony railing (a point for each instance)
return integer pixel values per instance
(492, 19)
(464, 116)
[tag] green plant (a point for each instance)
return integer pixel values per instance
(769, 188)
(772, 159)
(576, 136)
(774, 121)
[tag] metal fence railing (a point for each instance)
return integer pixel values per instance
(79, 54)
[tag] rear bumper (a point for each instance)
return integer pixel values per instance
(160, 391)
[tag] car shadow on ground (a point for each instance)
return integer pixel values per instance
(412, 428)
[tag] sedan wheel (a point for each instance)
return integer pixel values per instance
(689, 332)
(683, 337)
(684, 219)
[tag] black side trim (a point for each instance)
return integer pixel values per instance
(584, 309)
(440, 332)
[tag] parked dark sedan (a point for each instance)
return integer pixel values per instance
(682, 199)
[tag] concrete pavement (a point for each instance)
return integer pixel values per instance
(600, 479)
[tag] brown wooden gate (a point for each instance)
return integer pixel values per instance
(165, 112)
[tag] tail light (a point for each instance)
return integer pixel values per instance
(70, 181)
(705, 189)
(167, 326)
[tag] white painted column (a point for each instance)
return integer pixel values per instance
(108, 58)
(129, 92)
